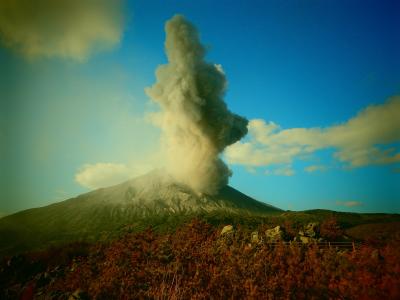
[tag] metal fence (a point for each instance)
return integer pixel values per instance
(335, 245)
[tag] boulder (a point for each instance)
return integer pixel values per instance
(305, 239)
(311, 230)
(228, 229)
(255, 238)
(226, 236)
(78, 295)
(274, 235)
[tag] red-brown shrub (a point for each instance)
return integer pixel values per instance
(196, 263)
(331, 230)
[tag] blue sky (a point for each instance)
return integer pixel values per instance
(77, 106)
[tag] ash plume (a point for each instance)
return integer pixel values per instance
(195, 121)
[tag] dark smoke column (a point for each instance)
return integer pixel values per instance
(196, 123)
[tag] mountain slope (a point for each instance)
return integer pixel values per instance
(88, 216)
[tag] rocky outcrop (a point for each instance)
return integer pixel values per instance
(78, 295)
(310, 234)
(311, 230)
(226, 236)
(255, 238)
(228, 229)
(275, 234)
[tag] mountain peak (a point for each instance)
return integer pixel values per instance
(158, 192)
(153, 195)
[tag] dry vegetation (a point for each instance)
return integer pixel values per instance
(195, 262)
(375, 232)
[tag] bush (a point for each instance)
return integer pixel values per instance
(196, 262)
(331, 230)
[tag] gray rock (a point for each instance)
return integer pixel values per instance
(228, 229)
(311, 229)
(274, 235)
(255, 238)
(78, 295)
(305, 239)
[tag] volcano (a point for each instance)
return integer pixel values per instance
(104, 211)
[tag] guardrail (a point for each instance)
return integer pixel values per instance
(337, 245)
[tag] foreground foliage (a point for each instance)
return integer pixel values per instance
(195, 262)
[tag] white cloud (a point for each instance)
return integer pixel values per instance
(98, 175)
(93, 176)
(285, 171)
(315, 168)
(349, 203)
(64, 28)
(281, 171)
(363, 140)
(251, 170)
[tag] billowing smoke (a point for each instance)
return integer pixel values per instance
(195, 120)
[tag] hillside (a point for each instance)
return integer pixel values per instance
(199, 261)
(140, 202)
